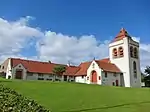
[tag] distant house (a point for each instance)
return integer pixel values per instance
(122, 68)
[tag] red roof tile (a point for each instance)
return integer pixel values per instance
(109, 67)
(71, 70)
(105, 60)
(46, 67)
(122, 34)
(39, 67)
(104, 64)
(34, 66)
(83, 68)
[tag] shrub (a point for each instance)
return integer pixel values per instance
(11, 101)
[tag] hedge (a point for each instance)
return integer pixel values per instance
(11, 101)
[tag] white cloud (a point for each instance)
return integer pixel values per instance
(59, 48)
(15, 35)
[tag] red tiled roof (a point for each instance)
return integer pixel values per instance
(122, 34)
(46, 67)
(104, 64)
(107, 66)
(41, 67)
(83, 68)
(71, 70)
(34, 66)
(105, 60)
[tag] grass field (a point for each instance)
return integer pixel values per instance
(71, 97)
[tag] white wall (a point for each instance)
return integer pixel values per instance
(111, 77)
(95, 68)
(80, 79)
(8, 69)
(125, 63)
(122, 62)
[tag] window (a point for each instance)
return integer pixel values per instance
(3, 67)
(135, 53)
(40, 78)
(121, 52)
(51, 75)
(114, 52)
(40, 75)
(87, 78)
(99, 77)
(82, 77)
(106, 74)
(30, 74)
(115, 75)
(134, 69)
(131, 51)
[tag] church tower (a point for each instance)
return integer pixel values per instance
(124, 53)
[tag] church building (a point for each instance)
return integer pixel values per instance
(122, 68)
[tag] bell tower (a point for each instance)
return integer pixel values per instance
(124, 53)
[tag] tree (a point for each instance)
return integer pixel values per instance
(142, 77)
(147, 77)
(58, 70)
(147, 70)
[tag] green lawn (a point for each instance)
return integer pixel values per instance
(71, 97)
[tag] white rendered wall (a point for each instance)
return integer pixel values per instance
(89, 72)
(80, 79)
(8, 69)
(125, 63)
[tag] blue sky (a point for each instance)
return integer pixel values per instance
(101, 18)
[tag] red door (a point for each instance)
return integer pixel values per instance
(94, 77)
(18, 74)
(117, 84)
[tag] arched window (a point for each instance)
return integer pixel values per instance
(134, 69)
(131, 51)
(135, 53)
(114, 52)
(121, 52)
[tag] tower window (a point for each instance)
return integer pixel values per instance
(134, 69)
(121, 52)
(135, 53)
(114, 52)
(131, 51)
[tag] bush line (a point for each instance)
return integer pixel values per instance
(11, 101)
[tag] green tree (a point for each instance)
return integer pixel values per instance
(147, 77)
(147, 70)
(58, 71)
(142, 77)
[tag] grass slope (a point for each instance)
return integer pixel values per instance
(71, 97)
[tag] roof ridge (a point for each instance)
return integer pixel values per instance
(29, 60)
